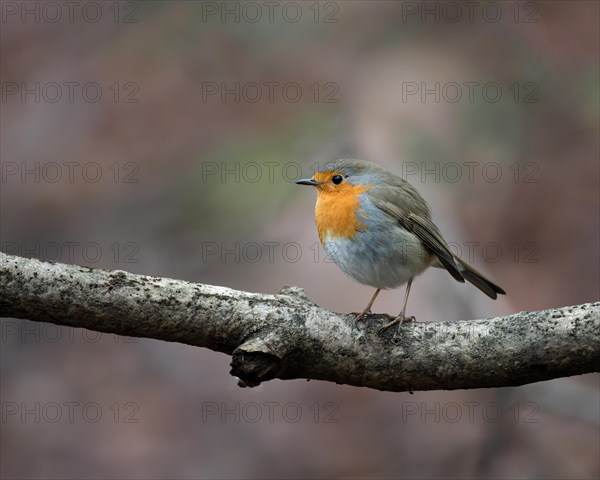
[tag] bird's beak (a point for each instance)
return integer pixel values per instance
(308, 181)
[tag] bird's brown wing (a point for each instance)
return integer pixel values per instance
(425, 230)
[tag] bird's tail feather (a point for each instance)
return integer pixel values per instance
(466, 271)
(473, 276)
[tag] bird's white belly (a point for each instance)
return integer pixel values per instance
(379, 262)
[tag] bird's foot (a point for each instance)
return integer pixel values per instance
(362, 314)
(399, 319)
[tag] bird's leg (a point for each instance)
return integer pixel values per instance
(360, 316)
(401, 317)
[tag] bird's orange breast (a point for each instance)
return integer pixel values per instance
(335, 212)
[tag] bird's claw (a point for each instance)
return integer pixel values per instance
(398, 319)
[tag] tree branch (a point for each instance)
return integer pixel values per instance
(286, 336)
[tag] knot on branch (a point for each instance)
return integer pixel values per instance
(256, 361)
(253, 368)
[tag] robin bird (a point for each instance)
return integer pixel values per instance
(377, 228)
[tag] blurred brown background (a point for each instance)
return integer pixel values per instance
(163, 138)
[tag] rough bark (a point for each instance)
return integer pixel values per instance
(286, 336)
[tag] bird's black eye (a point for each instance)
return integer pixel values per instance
(337, 179)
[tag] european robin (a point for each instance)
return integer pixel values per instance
(377, 228)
